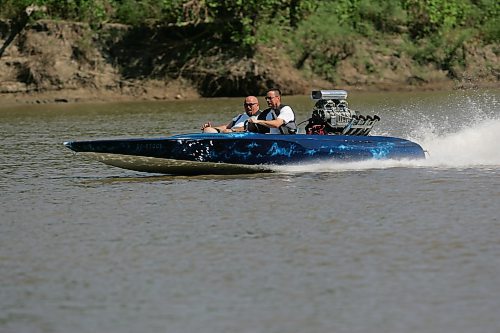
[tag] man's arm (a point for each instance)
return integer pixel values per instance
(275, 123)
(234, 129)
(223, 128)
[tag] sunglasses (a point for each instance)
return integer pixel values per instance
(249, 104)
(270, 97)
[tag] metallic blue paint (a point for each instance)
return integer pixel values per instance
(256, 149)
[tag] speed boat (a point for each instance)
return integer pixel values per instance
(334, 132)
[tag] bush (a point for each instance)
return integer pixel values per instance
(321, 41)
(446, 51)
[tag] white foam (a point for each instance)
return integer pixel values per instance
(335, 166)
(477, 145)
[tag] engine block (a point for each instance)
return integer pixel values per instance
(331, 115)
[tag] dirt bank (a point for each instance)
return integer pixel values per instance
(49, 61)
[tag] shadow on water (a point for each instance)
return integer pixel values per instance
(169, 178)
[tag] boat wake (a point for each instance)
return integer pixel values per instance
(476, 145)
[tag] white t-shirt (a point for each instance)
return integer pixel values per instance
(286, 114)
(239, 120)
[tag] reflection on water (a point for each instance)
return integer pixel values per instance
(379, 246)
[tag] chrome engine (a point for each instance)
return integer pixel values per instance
(331, 115)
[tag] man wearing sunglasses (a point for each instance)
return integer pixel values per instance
(238, 123)
(277, 119)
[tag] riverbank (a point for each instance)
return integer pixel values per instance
(176, 91)
(64, 62)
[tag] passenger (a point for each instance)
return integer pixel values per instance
(238, 123)
(277, 119)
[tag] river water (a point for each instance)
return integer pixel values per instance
(384, 246)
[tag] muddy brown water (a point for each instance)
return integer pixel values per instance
(386, 246)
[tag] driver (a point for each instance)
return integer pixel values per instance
(277, 119)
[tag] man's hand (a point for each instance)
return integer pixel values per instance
(209, 124)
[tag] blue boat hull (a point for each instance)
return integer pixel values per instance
(247, 149)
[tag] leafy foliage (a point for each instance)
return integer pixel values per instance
(243, 17)
(321, 41)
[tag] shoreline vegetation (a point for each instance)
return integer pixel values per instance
(121, 50)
